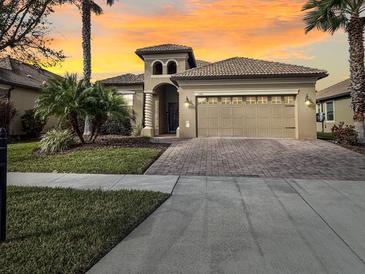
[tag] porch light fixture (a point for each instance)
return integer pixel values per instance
(187, 102)
(308, 101)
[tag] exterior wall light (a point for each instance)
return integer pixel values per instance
(187, 102)
(308, 101)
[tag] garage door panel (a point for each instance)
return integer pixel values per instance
(237, 112)
(213, 132)
(266, 120)
(263, 111)
(226, 123)
(237, 123)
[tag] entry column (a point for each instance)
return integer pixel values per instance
(148, 115)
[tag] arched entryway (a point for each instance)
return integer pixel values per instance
(166, 109)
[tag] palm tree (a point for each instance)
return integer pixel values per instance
(104, 103)
(330, 16)
(88, 6)
(64, 98)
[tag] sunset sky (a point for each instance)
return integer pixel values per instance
(216, 29)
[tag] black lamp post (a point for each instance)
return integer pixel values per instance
(3, 170)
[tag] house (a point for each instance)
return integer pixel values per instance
(334, 103)
(21, 83)
(236, 97)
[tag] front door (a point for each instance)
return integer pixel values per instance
(172, 117)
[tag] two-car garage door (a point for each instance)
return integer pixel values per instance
(246, 116)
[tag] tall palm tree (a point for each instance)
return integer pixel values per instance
(330, 16)
(87, 7)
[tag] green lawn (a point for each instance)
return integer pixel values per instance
(109, 160)
(68, 231)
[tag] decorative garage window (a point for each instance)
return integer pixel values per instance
(289, 100)
(330, 113)
(276, 100)
(237, 100)
(226, 100)
(251, 100)
(202, 100)
(262, 100)
(213, 100)
(128, 99)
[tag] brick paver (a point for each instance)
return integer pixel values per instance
(260, 158)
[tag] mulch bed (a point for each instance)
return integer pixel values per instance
(359, 148)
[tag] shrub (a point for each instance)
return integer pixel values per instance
(345, 134)
(137, 130)
(7, 113)
(117, 126)
(56, 140)
(32, 124)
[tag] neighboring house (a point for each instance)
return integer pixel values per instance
(334, 103)
(236, 97)
(21, 84)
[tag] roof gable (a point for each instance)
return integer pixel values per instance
(336, 90)
(14, 72)
(240, 67)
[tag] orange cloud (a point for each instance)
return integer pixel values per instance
(216, 29)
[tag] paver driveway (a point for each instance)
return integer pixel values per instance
(268, 158)
(248, 225)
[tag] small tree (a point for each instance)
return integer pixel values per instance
(7, 113)
(64, 98)
(24, 30)
(101, 104)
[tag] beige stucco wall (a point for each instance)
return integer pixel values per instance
(305, 116)
(24, 99)
(342, 113)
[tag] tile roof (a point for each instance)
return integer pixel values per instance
(337, 90)
(125, 79)
(163, 49)
(240, 67)
(13, 72)
(168, 48)
(200, 63)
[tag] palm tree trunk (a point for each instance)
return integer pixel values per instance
(355, 31)
(86, 49)
(86, 38)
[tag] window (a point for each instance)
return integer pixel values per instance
(289, 100)
(226, 100)
(251, 100)
(171, 67)
(213, 100)
(128, 99)
(157, 68)
(262, 100)
(237, 100)
(202, 100)
(276, 100)
(330, 112)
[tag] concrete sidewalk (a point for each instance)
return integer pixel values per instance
(248, 225)
(158, 183)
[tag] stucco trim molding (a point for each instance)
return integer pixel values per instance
(126, 91)
(247, 92)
